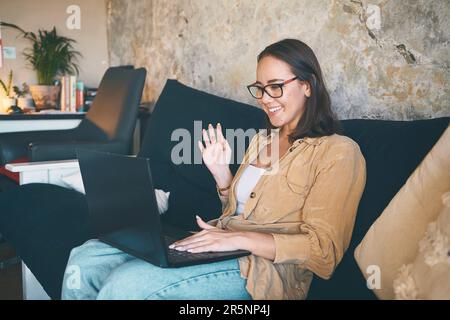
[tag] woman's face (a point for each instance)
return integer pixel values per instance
(284, 112)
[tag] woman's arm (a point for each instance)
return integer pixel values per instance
(223, 180)
(258, 243)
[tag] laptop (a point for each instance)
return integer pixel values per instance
(124, 212)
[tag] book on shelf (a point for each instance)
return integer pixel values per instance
(68, 93)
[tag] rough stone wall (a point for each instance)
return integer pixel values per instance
(382, 59)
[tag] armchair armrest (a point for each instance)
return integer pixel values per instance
(44, 172)
(43, 165)
(43, 151)
(14, 145)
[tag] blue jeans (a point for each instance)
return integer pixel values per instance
(98, 271)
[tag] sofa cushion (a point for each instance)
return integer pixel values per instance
(393, 239)
(392, 149)
(428, 276)
(191, 185)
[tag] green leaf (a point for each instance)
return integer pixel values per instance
(50, 54)
(8, 85)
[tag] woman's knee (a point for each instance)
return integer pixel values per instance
(135, 280)
(88, 266)
(83, 254)
(222, 285)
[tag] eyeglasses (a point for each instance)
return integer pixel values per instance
(274, 90)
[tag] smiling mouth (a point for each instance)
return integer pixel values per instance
(274, 110)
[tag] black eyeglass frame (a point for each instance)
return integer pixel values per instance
(268, 85)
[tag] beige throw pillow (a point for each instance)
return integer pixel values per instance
(428, 277)
(393, 239)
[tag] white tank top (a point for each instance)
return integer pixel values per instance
(246, 184)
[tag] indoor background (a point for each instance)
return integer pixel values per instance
(382, 59)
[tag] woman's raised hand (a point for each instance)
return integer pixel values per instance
(216, 152)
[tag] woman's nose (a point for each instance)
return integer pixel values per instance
(266, 98)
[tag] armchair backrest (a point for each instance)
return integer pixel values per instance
(114, 111)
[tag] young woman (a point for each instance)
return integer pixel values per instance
(292, 203)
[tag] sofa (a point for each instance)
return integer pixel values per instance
(43, 222)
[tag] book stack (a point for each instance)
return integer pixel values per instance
(68, 93)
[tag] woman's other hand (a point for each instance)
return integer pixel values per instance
(216, 154)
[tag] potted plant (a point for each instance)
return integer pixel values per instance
(9, 100)
(51, 55)
(23, 96)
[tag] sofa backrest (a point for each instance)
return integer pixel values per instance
(392, 150)
(192, 188)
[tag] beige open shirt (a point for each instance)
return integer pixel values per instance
(309, 206)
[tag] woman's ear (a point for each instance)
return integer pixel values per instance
(307, 87)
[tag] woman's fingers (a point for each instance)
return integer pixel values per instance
(220, 137)
(201, 246)
(194, 238)
(212, 134)
(202, 224)
(215, 149)
(187, 244)
(206, 138)
(200, 146)
(226, 147)
(206, 247)
(207, 231)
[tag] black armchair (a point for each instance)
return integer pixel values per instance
(108, 125)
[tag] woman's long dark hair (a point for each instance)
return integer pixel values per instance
(318, 118)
